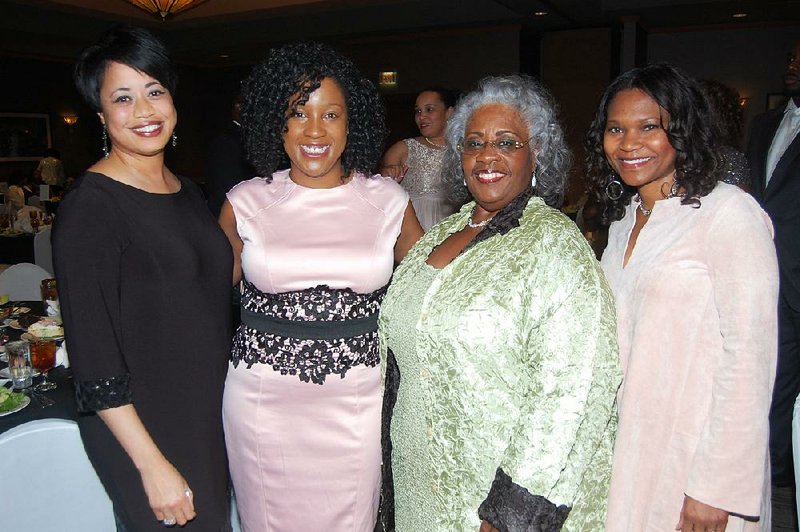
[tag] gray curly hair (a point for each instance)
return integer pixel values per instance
(538, 110)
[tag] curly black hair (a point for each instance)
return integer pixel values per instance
(284, 81)
(690, 131)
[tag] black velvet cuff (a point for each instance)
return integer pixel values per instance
(511, 508)
(100, 394)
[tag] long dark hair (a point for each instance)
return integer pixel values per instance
(690, 132)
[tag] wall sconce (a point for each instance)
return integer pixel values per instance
(387, 79)
(743, 101)
(70, 120)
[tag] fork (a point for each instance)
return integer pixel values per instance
(42, 399)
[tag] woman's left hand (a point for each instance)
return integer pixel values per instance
(699, 517)
(486, 526)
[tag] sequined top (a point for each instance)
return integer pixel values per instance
(737, 171)
(424, 174)
(508, 359)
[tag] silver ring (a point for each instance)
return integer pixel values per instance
(170, 521)
(187, 491)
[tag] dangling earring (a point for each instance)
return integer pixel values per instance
(104, 145)
(174, 138)
(614, 189)
(533, 179)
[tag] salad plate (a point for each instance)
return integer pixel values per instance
(11, 402)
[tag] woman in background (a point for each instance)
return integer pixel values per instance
(315, 241)
(726, 113)
(144, 280)
(416, 162)
(693, 270)
(502, 327)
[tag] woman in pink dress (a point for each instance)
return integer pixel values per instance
(692, 266)
(314, 248)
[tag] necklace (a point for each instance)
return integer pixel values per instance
(642, 208)
(673, 191)
(477, 225)
(429, 141)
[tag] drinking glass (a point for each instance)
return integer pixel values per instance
(50, 297)
(43, 358)
(19, 363)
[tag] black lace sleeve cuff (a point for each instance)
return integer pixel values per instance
(100, 394)
(511, 508)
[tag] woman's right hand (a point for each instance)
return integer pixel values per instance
(395, 171)
(168, 493)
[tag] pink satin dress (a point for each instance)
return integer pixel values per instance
(302, 424)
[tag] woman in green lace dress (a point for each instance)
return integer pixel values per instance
(502, 328)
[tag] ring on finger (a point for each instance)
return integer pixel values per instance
(187, 491)
(169, 521)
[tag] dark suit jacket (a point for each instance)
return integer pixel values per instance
(227, 166)
(781, 198)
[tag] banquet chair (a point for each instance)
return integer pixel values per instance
(50, 483)
(22, 282)
(43, 250)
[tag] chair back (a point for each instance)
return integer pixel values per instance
(43, 250)
(22, 282)
(50, 483)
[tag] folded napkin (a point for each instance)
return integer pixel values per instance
(62, 359)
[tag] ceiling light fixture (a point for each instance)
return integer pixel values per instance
(739, 15)
(540, 13)
(165, 8)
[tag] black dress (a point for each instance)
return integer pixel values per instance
(144, 283)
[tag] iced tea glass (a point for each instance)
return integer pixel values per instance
(43, 358)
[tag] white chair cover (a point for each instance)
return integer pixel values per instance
(50, 485)
(22, 282)
(43, 250)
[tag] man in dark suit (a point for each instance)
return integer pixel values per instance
(227, 164)
(774, 156)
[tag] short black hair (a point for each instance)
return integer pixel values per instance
(690, 132)
(448, 96)
(132, 46)
(293, 72)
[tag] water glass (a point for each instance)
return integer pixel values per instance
(19, 364)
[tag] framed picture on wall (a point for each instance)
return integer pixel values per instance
(23, 136)
(776, 99)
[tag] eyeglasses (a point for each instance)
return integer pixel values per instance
(504, 146)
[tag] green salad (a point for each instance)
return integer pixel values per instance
(10, 400)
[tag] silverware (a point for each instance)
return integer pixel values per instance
(40, 398)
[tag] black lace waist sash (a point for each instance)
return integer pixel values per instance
(309, 333)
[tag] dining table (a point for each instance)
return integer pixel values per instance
(57, 403)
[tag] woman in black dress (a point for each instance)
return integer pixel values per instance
(144, 279)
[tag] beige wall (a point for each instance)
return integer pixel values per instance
(575, 68)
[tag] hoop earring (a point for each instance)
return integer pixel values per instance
(614, 190)
(104, 142)
(174, 138)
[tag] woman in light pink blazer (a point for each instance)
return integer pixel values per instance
(692, 266)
